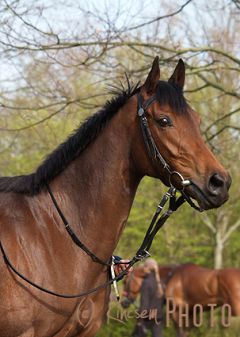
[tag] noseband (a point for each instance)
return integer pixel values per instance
(154, 227)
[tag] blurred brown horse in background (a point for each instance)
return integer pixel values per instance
(133, 282)
(192, 285)
(94, 176)
(186, 286)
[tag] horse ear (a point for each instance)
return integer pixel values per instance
(178, 76)
(153, 77)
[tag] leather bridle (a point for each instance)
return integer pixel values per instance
(154, 227)
(155, 155)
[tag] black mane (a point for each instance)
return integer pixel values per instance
(65, 153)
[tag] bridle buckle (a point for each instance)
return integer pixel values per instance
(140, 111)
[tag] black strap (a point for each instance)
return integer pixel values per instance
(73, 235)
(50, 292)
(156, 224)
(190, 202)
(149, 142)
(154, 219)
(174, 205)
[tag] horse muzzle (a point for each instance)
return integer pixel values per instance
(212, 194)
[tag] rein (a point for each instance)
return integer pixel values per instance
(72, 234)
(155, 225)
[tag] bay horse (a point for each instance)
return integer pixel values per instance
(93, 177)
(186, 286)
(133, 282)
(192, 285)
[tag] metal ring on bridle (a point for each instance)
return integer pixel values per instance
(183, 182)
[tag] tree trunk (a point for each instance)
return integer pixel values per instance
(218, 254)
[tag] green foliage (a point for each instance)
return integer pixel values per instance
(184, 238)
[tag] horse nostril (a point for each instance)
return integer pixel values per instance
(216, 183)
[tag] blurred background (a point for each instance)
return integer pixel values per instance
(59, 60)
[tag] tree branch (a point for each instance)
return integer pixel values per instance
(208, 223)
(221, 119)
(232, 229)
(158, 18)
(222, 129)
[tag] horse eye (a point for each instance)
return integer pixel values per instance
(164, 121)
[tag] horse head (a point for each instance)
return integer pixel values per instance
(131, 286)
(169, 146)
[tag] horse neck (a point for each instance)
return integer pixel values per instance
(98, 188)
(165, 272)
